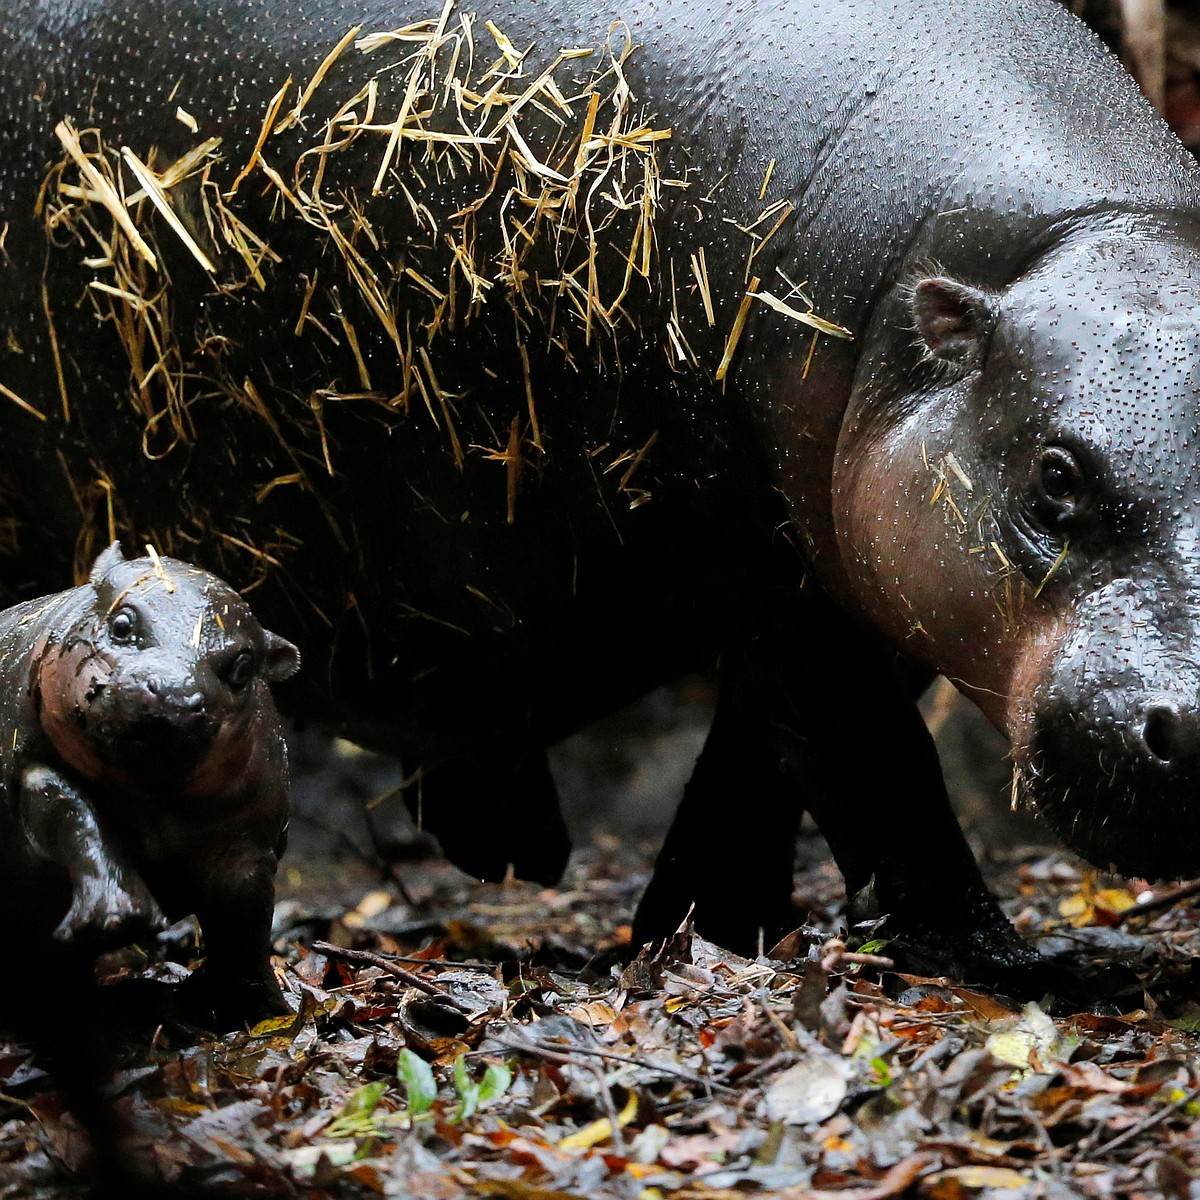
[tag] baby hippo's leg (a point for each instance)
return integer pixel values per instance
(235, 906)
(110, 904)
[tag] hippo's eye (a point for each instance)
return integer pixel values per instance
(240, 671)
(1058, 482)
(122, 628)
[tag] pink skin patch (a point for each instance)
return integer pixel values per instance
(61, 681)
(67, 682)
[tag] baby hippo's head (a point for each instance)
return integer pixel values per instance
(159, 678)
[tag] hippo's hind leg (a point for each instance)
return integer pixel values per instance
(110, 903)
(813, 713)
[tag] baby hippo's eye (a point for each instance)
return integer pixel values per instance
(123, 626)
(240, 671)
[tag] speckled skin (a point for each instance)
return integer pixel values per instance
(143, 768)
(979, 195)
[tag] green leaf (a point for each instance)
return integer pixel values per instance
(882, 1072)
(468, 1092)
(462, 1081)
(356, 1118)
(362, 1102)
(420, 1087)
(496, 1081)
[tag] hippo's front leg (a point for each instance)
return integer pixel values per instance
(235, 903)
(110, 904)
(731, 848)
(813, 713)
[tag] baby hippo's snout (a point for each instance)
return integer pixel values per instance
(179, 700)
(156, 677)
(156, 710)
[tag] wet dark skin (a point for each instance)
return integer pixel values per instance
(993, 478)
(145, 773)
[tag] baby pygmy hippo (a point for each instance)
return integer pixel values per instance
(143, 769)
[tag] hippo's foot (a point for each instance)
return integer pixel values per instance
(219, 1001)
(108, 910)
(1009, 966)
(746, 920)
(970, 940)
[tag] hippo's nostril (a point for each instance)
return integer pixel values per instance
(1161, 733)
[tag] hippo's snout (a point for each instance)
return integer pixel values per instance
(1170, 733)
(153, 717)
(1112, 758)
(173, 699)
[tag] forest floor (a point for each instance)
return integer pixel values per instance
(454, 1039)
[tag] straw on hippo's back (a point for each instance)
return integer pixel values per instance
(143, 767)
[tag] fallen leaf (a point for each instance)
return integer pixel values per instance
(810, 1091)
(1030, 1042)
(602, 1130)
(959, 1182)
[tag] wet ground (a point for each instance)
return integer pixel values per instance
(455, 1039)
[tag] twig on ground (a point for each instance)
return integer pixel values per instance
(1166, 900)
(563, 1054)
(369, 958)
(1127, 1135)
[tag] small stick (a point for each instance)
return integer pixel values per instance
(1166, 900)
(563, 1055)
(1154, 1119)
(610, 1110)
(402, 973)
(735, 333)
(834, 954)
(9, 394)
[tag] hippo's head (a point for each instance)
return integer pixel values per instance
(1028, 515)
(160, 680)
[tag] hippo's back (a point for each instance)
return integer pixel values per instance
(902, 129)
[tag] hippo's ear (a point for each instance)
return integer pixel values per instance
(105, 563)
(953, 319)
(282, 659)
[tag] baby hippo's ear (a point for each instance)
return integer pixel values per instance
(282, 659)
(105, 563)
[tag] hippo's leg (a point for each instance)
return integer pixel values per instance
(812, 713)
(859, 748)
(236, 900)
(111, 904)
(491, 809)
(731, 848)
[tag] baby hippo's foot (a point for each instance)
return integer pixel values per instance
(111, 909)
(222, 1002)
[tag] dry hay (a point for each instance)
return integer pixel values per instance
(557, 176)
(968, 510)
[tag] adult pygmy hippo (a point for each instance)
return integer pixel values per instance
(143, 768)
(525, 353)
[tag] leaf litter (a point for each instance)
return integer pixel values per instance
(497, 1040)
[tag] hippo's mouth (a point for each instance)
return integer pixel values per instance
(152, 749)
(1114, 806)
